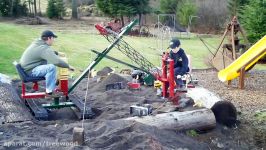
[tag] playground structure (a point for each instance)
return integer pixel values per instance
(244, 63)
(225, 54)
(233, 59)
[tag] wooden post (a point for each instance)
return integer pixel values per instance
(242, 70)
(229, 82)
(233, 42)
(242, 78)
(78, 135)
(223, 37)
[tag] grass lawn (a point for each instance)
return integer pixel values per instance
(14, 39)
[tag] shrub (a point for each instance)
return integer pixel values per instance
(253, 19)
(4, 8)
(56, 9)
(9, 9)
(185, 10)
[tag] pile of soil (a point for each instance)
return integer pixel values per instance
(104, 71)
(12, 109)
(108, 131)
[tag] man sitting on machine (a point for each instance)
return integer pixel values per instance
(180, 61)
(39, 60)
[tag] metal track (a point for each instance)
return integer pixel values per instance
(80, 106)
(36, 108)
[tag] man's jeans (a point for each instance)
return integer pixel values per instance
(49, 72)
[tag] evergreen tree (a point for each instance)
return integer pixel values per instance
(55, 9)
(4, 7)
(61, 9)
(253, 19)
(12, 8)
(143, 7)
(120, 8)
(51, 9)
(169, 6)
(234, 6)
(185, 11)
(74, 9)
(104, 6)
(19, 9)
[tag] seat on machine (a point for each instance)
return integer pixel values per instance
(27, 78)
(24, 76)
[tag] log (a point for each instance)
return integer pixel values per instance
(203, 97)
(200, 119)
(224, 111)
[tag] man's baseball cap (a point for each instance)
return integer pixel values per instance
(48, 33)
(174, 43)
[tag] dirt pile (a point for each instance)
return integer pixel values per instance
(111, 79)
(118, 134)
(12, 109)
(104, 71)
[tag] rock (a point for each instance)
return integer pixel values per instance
(220, 145)
(5, 79)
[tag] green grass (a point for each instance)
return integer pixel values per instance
(261, 116)
(14, 39)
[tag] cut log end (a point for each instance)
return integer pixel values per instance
(225, 113)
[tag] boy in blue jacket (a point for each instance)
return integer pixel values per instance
(180, 61)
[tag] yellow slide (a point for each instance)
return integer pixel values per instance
(250, 57)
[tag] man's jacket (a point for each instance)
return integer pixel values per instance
(40, 53)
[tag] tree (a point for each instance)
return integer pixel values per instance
(169, 6)
(234, 6)
(4, 8)
(12, 8)
(185, 11)
(142, 7)
(35, 7)
(30, 6)
(61, 9)
(51, 9)
(74, 9)
(104, 6)
(253, 19)
(55, 9)
(121, 8)
(19, 9)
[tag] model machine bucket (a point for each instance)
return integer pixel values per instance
(220, 61)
